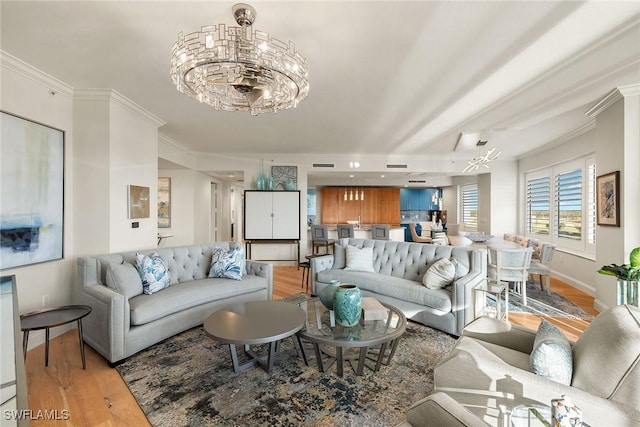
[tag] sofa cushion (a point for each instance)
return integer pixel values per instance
(396, 287)
(339, 256)
(551, 355)
(124, 279)
(440, 274)
(153, 272)
(180, 297)
(606, 358)
(227, 263)
(359, 259)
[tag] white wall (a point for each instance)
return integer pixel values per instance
(109, 143)
(26, 92)
(190, 207)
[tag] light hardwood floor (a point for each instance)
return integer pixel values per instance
(97, 396)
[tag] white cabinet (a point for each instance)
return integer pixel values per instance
(271, 215)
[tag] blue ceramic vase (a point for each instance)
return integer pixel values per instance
(328, 294)
(347, 305)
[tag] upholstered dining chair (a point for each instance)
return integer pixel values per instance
(346, 231)
(380, 231)
(439, 238)
(320, 238)
(541, 264)
(414, 234)
(511, 265)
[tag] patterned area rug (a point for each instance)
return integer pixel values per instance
(541, 303)
(188, 380)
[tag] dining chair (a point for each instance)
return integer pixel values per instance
(320, 238)
(439, 238)
(541, 264)
(414, 234)
(380, 231)
(346, 231)
(510, 265)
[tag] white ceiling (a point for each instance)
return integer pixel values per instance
(395, 78)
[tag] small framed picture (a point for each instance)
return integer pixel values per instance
(138, 201)
(608, 199)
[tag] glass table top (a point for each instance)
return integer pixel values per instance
(320, 328)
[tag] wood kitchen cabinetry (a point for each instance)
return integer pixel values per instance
(381, 205)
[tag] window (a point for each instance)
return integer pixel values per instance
(469, 206)
(560, 204)
(538, 205)
(568, 204)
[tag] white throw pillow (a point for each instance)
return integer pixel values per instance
(359, 259)
(440, 274)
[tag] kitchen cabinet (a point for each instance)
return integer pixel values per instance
(417, 199)
(381, 205)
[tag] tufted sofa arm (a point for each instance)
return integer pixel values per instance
(262, 269)
(319, 264)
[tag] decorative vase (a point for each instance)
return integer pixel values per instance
(262, 180)
(347, 305)
(628, 292)
(327, 294)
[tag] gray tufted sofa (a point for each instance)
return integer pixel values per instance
(119, 326)
(399, 269)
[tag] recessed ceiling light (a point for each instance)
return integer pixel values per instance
(351, 176)
(381, 176)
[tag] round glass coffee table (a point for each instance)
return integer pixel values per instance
(256, 322)
(370, 343)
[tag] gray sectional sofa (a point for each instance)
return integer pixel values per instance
(398, 270)
(121, 325)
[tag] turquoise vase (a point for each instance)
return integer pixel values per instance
(328, 294)
(347, 305)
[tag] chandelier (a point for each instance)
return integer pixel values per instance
(238, 69)
(476, 162)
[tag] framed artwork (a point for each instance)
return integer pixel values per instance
(164, 202)
(31, 192)
(284, 177)
(138, 201)
(608, 199)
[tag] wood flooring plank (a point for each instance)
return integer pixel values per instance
(98, 396)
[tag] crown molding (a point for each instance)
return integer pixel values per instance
(590, 125)
(30, 72)
(612, 97)
(117, 98)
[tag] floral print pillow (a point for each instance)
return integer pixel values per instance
(153, 271)
(229, 264)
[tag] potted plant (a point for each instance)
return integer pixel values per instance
(628, 276)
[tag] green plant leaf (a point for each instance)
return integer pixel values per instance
(634, 257)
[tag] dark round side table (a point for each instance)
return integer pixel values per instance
(49, 318)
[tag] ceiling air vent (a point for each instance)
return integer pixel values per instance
(396, 166)
(324, 165)
(417, 181)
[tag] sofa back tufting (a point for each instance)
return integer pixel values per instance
(409, 260)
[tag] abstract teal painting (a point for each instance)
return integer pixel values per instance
(31, 192)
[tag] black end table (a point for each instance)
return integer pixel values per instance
(49, 318)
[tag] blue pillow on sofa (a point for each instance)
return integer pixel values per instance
(153, 271)
(229, 264)
(552, 356)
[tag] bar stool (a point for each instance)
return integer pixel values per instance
(320, 238)
(306, 270)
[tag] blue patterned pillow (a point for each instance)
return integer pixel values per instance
(552, 356)
(229, 264)
(153, 271)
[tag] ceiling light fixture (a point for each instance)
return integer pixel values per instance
(476, 162)
(238, 69)
(354, 165)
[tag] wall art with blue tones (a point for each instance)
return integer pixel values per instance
(31, 192)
